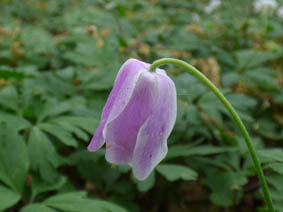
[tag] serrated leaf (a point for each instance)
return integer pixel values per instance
(73, 129)
(188, 150)
(271, 155)
(225, 186)
(86, 123)
(262, 77)
(230, 78)
(268, 128)
(43, 155)
(53, 108)
(277, 167)
(176, 172)
(39, 187)
(211, 106)
(241, 102)
(51, 83)
(14, 161)
(276, 180)
(60, 133)
(17, 122)
(249, 58)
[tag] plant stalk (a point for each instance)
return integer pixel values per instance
(234, 114)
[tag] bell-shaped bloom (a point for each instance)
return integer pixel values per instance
(137, 118)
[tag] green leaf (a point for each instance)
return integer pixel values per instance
(14, 161)
(268, 128)
(54, 108)
(76, 202)
(175, 172)
(144, 186)
(9, 98)
(277, 167)
(188, 87)
(73, 129)
(226, 186)
(249, 58)
(276, 181)
(211, 106)
(17, 122)
(188, 150)
(8, 198)
(230, 78)
(85, 161)
(39, 187)
(38, 146)
(54, 85)
(241, 102)
(179, 39)
(86, 123)
(43, 155)
(60, 133)
(36, 40)
(37, 207)
(7, 74)
(262, 77)
(271, 155)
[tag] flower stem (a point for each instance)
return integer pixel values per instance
(234, 114)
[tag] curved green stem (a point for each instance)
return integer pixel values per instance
(234, 114)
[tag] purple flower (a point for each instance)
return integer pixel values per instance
(137, 118)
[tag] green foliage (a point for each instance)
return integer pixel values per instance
(175, 172)
(8, 198)
(76, 201)
(14, 159)
(225, 187)
(58, 61)
(73, 202)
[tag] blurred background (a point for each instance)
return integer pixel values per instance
(58, 61)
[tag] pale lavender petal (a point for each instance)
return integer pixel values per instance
(118, 98)
(151, 145)
(121, 133)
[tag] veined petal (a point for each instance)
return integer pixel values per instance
(121, 133)
(151, 145)
(123, 87)
(122, 90)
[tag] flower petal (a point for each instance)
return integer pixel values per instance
(151, 145)
(118, 98)
(121, 133)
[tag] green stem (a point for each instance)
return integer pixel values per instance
(234, 114)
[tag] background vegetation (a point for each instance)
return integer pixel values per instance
(58, 60)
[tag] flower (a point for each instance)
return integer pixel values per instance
(196, 17)
(213, 4)
(280, 12)
(137, 118)
(260, 5)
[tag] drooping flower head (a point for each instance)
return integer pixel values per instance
(137, 118)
